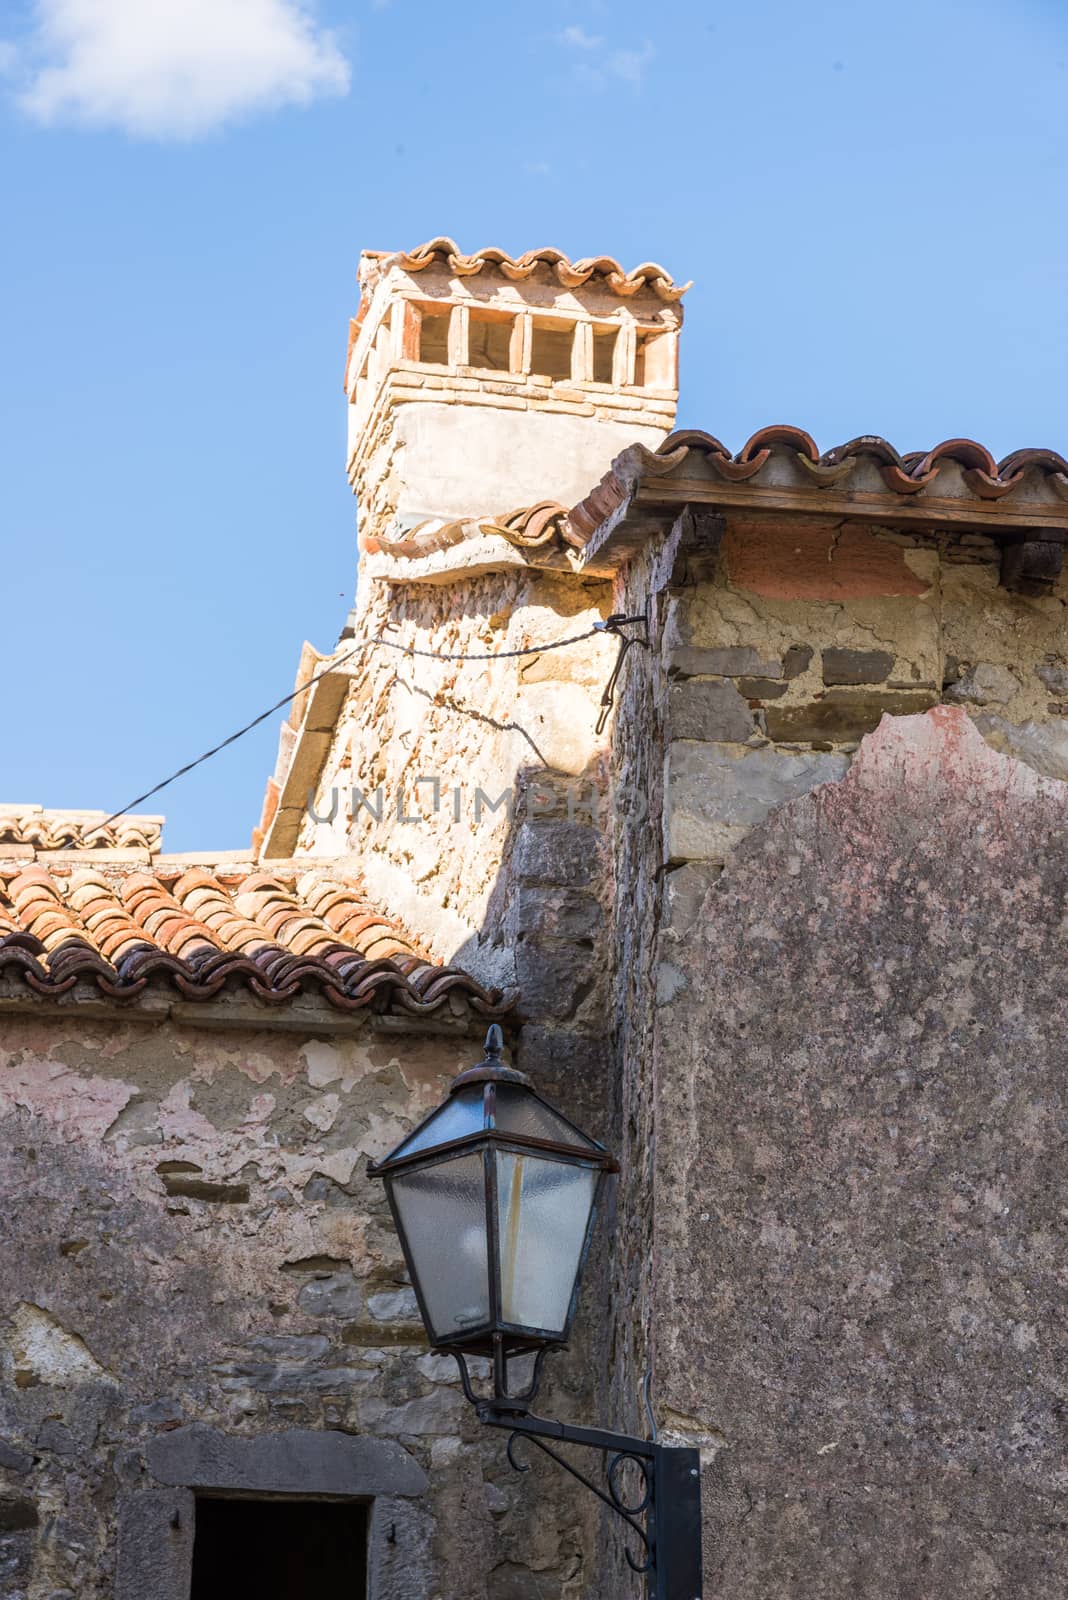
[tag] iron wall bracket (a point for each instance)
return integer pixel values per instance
(666, 1517)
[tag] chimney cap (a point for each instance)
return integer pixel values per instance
(374, 264)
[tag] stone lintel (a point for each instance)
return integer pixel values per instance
(298, 1461)
(157, 1525)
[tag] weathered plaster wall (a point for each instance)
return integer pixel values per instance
(842, 1063)
(189, 1238)
(447, 459)
(861, 1114)
(810, 632)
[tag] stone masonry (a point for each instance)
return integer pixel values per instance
(200, 1246)
(839, 1018)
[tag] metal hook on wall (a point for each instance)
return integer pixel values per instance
(615, 624)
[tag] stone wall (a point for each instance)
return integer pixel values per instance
(204, 1273)
(811, 633)
(437, 767)
(843, 1056)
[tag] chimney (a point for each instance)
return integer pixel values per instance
(479, 384)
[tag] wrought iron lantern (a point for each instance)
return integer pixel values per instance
(494, 1196)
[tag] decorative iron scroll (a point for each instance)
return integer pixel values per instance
(613, 1497)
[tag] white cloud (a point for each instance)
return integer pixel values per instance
(599, 64)
(579, 39)
(629, 65)
(174, 69)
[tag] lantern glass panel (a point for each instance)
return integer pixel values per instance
(442, 1214)
(543, 1209)
(461, 1114)
(522, 1113)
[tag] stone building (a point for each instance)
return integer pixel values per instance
(785, 924)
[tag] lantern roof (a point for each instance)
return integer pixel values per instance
(496, 1103)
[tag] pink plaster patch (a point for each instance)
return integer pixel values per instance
(180, 1122)
(930, 773)
(942, 748)
(79, 1107)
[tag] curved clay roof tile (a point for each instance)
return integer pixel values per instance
(120, 933)
(571, 274)
(1050, 461)
(780, 434)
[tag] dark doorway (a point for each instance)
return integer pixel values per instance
(280, 1550)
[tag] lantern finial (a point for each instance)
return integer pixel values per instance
(491, 1069)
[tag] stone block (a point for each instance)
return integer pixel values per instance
(1054, 674)
(685, 892)
(716, 793)
(1042, 745)
(570, 407)
(840, 1251)
(396, 1305)
(557, 913)
(856, 666)
(558, 1054)
(727, 661)
(557, 852)
(670, 983)
(337, 1295)
(309, 755)
(843, 714)
(155, 1553)
(796, 660)
(552, 979)
(709, 708)
(985, 685)
(556, 716)
(266, 1378)
(12, 1459)
(437, 1413)
(762, 688)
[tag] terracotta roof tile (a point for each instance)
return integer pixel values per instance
(903, 475)
(76, 830)
(537, 528)
(277, 935)
(571, 274)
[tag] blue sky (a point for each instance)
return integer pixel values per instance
(870, 202)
